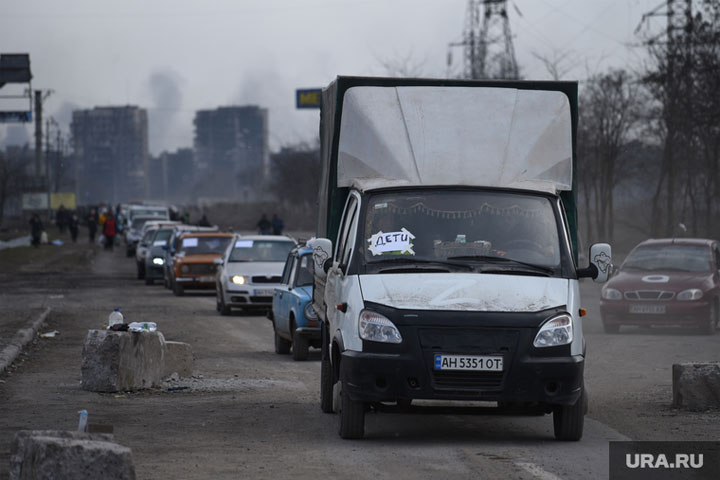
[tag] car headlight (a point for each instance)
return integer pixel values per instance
(240, 280)
(310, 312)
(556, 331)
(158, 261)
(690, 294)
(184, 269)
(611, 294)
(377, 328)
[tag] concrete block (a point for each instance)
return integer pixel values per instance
(122, 361)
(696, 386)
(47, 454)
(178, 359)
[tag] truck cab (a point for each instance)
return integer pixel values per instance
(450, 273)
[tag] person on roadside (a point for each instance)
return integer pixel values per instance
(61, 219)
(277, 225)
(92, 225)
(36, 229)
(204, 222)
(109, 231)
(73, 226)
(264, 226)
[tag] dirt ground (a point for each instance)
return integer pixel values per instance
(248, 412)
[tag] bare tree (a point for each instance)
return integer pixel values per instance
(608, 112)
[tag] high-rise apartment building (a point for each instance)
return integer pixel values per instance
(231, 149)
(111, 151)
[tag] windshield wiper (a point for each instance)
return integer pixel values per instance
(509, 261)
(409, 259)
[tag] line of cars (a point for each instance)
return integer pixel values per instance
(251, 273)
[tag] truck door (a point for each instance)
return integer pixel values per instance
(342, 288)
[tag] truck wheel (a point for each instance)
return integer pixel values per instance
(282, 346)
(300, 346)
(352, 417)
(568, 420)
(178, 290)
(611, 328)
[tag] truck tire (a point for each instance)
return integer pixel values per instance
(300, 346)
(352, 417)
(282, 346)
(568, 420)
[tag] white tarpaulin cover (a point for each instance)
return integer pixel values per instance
(496, 137)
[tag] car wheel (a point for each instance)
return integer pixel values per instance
(140, 271)
(178, 290)
(326, 377)
(300, 346)
(611, 328)
(128, 253)
(352, 416)
(712, 320)
(149, 281)
(221, 307)
(282, 346)
(568, 420)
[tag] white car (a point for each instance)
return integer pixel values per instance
(250, 271)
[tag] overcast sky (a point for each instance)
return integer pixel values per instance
(174, 57)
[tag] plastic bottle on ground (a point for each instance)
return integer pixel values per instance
(115, 317)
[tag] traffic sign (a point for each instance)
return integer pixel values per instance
(308, 97)
(13, 117)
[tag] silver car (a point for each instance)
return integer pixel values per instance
(250, 271)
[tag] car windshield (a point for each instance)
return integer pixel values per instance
(162, 236)
(138, 223)
(684, 258)
(203, 245)
(148, 235)
(461, 226)
(260, 251)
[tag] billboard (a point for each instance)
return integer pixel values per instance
(67, 200)
(35, 201)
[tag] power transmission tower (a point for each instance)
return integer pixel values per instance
(488, 50)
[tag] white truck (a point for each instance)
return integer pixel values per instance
(446, 251)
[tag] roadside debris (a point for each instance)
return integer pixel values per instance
(51, 334)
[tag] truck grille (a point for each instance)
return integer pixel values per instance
(467, 380)
(649, 295)
(201, 268)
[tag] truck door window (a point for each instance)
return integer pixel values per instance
(345, 229)
(286, 270)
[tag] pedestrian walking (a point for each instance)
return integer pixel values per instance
(264, 226)
(204, 222)
(92, 225)
(36, 229)
(109, 231)
(73, 226)
(277, 225)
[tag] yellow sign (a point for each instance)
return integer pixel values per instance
(308, 98)
(67, 200)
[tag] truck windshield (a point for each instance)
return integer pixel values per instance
(461, 226)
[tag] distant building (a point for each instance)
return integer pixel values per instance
(231, 151)
(111, 151)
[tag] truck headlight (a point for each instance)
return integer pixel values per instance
(690, 294)
(377, 328)
(310, 312)
(158, 261)
(240, 280)
(556, 331)
(611, 294)
(184, 269)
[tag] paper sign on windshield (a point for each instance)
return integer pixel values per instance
(190, 242)
(159, 243)
(244, 244)
(399, 243)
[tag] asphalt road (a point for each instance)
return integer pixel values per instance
(249, 413)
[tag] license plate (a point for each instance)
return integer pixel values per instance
(264, 292)
(657, 309)
(469, 362)
(206, 279)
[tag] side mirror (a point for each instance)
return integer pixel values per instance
(600, 267)
(218, 261)
(165, 247)
(322, 252)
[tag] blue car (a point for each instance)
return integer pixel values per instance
(295, 323)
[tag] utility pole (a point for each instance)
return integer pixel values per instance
(47, 167)
(38, 132)
(488, 50)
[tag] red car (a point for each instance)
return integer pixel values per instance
(673, 281)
